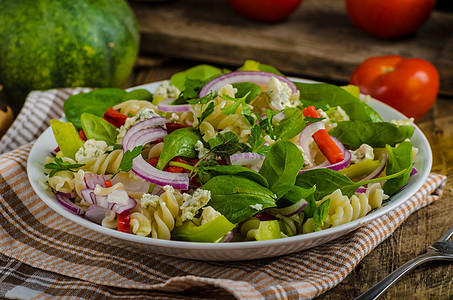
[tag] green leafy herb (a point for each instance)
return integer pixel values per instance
(245, 109)
(60, 165)
(399, 158)
(291, 125)
(266, 123)
(226, 144)
(209, 110)
(256, 141)
(320, 214)
(126, 161)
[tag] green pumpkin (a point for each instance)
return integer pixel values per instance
(58, 43)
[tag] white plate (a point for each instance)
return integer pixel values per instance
(243, 250)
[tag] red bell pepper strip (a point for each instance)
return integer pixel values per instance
(325, 143)
(114, 117)
(123, 222)
(82, 135)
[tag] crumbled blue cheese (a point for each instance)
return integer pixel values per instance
(165, 90)
(192, 203)
(202, 151)
(363, 152)
(257, 206)
(208, 215)
(174, 118)
(91, 149)
(280, 95)
(148, 200)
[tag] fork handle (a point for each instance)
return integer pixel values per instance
(380, 287)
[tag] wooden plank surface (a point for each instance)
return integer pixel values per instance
(317, 41)
(429, 281)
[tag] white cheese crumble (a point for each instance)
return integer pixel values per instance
(192, 203)
(280, 95)
(165, 90)
(363, 152)
(208, 215)
(148, 200)
(227, 90)
(91, 149)
(257, 206)
(174, 118)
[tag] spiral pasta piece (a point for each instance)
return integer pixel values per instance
(132, 107)
(107, 163)
(164, 216)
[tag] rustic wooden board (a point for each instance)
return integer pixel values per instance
(317, 41)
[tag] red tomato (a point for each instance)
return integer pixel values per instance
(389, 18)
(264, 10)
(408, 85)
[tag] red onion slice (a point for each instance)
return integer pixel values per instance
(257, 77)
(90, 197)
(305, 138)
(95, 213)
(227, 237)
(143, 135)
(289, 210)
(68, 204)
(166, 106)
(247, 158)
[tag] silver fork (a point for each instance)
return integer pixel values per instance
(442, 249)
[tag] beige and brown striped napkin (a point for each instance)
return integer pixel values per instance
(44, 255)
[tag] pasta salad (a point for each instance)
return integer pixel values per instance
(215, 155)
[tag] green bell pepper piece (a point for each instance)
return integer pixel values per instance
(209, 232)
(67, 137)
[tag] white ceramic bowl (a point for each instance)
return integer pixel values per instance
(243, 250)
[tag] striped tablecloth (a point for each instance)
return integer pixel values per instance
(44, 255)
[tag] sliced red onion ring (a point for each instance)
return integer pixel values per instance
(305, 138)
(90, 197)
(257, 77)
(227, 237)
(91, 180)
(95, 213)
(69, 205)
(166, 106)
(246, 159)
(289, 210)
(137, 137)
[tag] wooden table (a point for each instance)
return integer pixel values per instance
(422, 228)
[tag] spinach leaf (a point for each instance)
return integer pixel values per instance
(281, 166)
(291, 125)
(399, 158)
(237, 197)
(377, 135)
(201, 72)
(294, 195)
(180, 142)
(97, 128)
(248, 90)
(226, 144)
(208, 172)
(327, 181)
(321, 95)
(137, 94)
(95, 102)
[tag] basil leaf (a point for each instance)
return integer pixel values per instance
(322, 95)
(377, 135)
(180, 142)
(281, 166)
(236, 197)
(95, 102)
(97, 128)
(399, 158)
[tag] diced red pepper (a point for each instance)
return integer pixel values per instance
(108, 183)
(325, 143)
(175, 169)
(153, 161)
(123, 222)
(82, 135)
(114, 117)
(173, 126)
